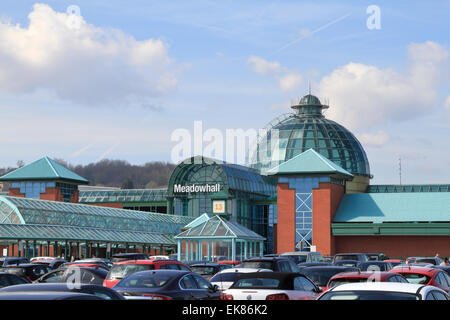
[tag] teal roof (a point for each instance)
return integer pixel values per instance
(394, 207)
(309, 162)
(199, 220)
(43, 169)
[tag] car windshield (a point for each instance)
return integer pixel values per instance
(416, 278)
(346, 257)
(17, 271)
(256, 283)
(225, 277)
(431, 261)
(258, 264)
(145, 281)
(368, 295)
(296, 258)
(320, 277)
(203, 270)
(120, 271)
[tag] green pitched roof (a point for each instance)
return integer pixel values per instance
(394, 207)
(43, 169)
(309, 162)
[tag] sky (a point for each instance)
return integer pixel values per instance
(89, 80)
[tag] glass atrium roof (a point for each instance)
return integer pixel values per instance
(216, 227)
(389, 188)
(126, 195)
(16, 210)
(307, 129)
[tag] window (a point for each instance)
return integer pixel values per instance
(16, 280)
(284, 266)
(4, 281)
(307, 285)
(182, 267)
(188, 283)
(202, 283)
(439, 295)
(169, 266)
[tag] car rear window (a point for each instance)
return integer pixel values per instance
(296, 258)
(145, 281)
(430, 261)
(120, 271)
(225, 277)
(337, 282)
(21, 272)
(258, 264)
(203, 270)
(256, 283)
(416, 278)
(346, 257)
(321, 277)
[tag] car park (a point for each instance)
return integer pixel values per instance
(322, 274)
(93, 289)
(12, 261)
(123, 269)
(303, 256)
(347, 263)
(384, 291)
(9, 279)
(29, 271)
(75, 274)
(361, 257)
(271, 286)
(225, 278)
(128, 256)
(353, 277)
(277, 264)
(424, 275)
(208, 269)
(167, 285)
(375, 265)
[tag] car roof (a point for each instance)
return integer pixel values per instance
(56, 287)
(271, 275)
(328, 267)
(415, 269)
(161, 272)
(363, 274)
(205, 264)
(350, 253)
(243, 270)
(295, 253)
(45, 295)
(22, 265)
(266, 259)
(380, 286)
(145, 261)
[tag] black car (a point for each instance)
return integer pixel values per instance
(47, 295)
(361, 257)
(277, 264)
(94, 289)
(320, 275)
(208, 269)
(375, 266)
(12, 261)
(167, 285)
(29, 271)
(312, 264)
(128, 256)
(376, 256)
(347, 263)
(9, 279)
(75, 274)
(52, 264)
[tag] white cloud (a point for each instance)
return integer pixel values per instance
(287, 79)
(447, 103)
(86, 64)
(364, 96)
(374, 140)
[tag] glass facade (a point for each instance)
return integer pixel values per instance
(33, 189)
(409, 188)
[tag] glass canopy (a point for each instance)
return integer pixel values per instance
(129, 195)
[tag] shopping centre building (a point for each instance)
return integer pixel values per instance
(311, 192)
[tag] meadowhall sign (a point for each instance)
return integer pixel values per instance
(210, 188)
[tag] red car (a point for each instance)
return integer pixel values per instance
(424, 275)
(351, 277)
(123, 269)
(229, 262)
(395, 262)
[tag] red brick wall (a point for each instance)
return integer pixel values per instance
(52, 194)
(285, 233)
(395, 246)
(326, 201)
(109, 205)
(16, 193)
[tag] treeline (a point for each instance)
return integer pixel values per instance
(120, 173)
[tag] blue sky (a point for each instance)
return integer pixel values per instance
(198, 66)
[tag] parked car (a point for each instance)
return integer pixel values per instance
(347, 263)
(123, 269)
(426, 260)
(322, 274)
(75, 274)
(128, 256)
(353, 277)
(426, 276)
(272, 286)
(277, 264)
(53, 264)
(384, 291)
(376, 256)
(225, 278)
(443, 268)
(9, 279)
(88, 263)
(159, 258)
(361, 257)
(232, 263)
(94, 289)
(209, 269)
(312, 264)
(12, 261)
(46, 295)
(29, 271)
(303, 256)
(167, 285)
(375, 265)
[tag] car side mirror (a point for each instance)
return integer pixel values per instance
(318, 290)
(215, 288)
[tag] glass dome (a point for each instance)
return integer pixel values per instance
(306, 129)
